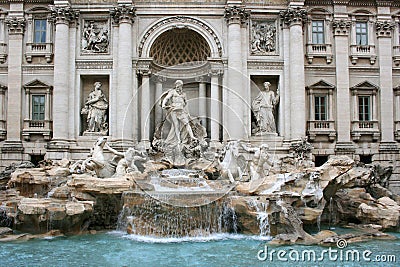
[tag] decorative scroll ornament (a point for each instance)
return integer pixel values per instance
(384, 28)
(16, 25)
(293, 15)
(235, 14)
(123, 13)
(63, 14)
(341, 27)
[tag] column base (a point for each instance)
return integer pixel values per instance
(11, 146)
(388, 147)
(345, 148)
(122, 144)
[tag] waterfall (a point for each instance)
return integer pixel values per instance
(262, 216)
(145, 215)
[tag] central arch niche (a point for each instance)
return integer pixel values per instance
(178, 46)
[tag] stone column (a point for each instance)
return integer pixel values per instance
(62, 16)
(157, 107)
(294, 18)
(384, 33)
(123, 15)
(341, 28)
(236, 95)
(215, 104)
(16, 28)
(202, 101)
(143, 69)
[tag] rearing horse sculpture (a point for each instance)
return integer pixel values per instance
(232, 164)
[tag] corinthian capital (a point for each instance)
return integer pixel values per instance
(123, 13)
(235, 14)
(16, 25)
(293, 16)
(384, 28)
(341, 27)
(64, 14)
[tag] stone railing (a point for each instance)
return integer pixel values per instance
(369, 128)
(396, 55)
(319, 50)
(326, 128)
(39, 50)
(362, 51)
(33, 127)
(3, 52)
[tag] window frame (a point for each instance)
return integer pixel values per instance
(318, 33)
(35, 31)
(363, 114)
(323, 116)
(42, 105)
(361, 32)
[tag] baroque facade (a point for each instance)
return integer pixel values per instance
(72, 70)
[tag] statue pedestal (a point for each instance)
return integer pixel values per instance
(271, 139)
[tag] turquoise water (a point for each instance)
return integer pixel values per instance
(117, 249)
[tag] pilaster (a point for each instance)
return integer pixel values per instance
(235, 16)
(62, 15)
(294, 18)
(123, 15)
(384, 30)
(16, 29)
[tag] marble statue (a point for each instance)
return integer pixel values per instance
(97, 161)
(95, 37)
(95, 108)
(185, 137)
(128, 164)
(263, 35)
(263, 108)
(233, 164)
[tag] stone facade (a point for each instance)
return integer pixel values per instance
(336, 65)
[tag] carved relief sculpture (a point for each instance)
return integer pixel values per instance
(263, 107)
(95, 37)
(95, 108)
(263, 37)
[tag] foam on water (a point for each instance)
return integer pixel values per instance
(205, 238)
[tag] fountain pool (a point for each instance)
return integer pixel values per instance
(119, 249)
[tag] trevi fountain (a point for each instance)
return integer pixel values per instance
(183, 202)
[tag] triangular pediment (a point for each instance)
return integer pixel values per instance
(366, 85)
(37, 83)
(321, 85)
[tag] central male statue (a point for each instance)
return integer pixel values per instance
(175, 103)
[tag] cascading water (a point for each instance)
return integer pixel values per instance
(145, 215)
(262, 216)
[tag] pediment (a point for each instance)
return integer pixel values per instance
(36, 84)
(366, 85)
(321, 85)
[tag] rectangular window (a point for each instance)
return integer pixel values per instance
(364, 108)
(321, 107)
(361, 33)
(40, 31)
(38, 107)
(318, 32)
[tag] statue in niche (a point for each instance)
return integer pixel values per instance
(263, 108)
(95, 108)
(95, 38)
(185, 138)
(263, 38)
